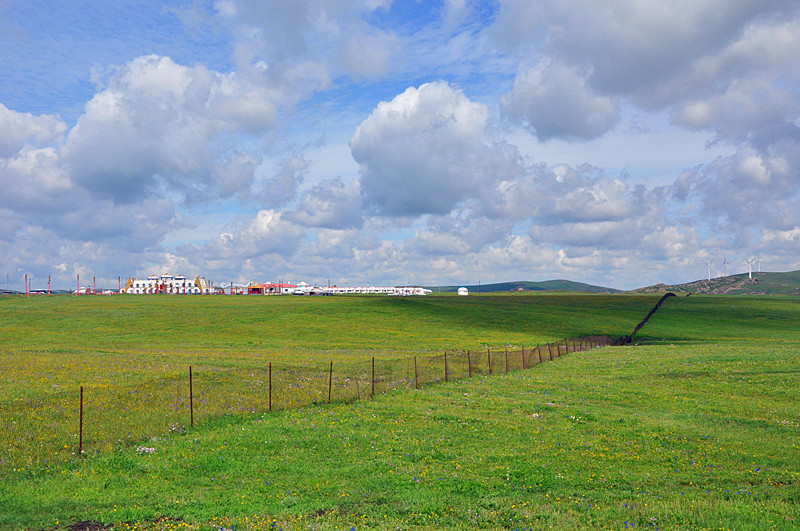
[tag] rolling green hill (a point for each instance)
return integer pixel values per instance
(761, 284)
(526, 285)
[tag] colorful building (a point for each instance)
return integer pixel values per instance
(174, 285)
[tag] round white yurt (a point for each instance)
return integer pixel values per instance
(463, 291)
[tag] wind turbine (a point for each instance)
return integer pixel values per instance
(724, 269)
(758, 261)
(750, 271)
(709, 268)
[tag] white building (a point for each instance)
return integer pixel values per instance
(463, 291)
(174, 285)
(381, 290)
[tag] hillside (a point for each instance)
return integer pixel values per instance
(526, 285)
(761, 284)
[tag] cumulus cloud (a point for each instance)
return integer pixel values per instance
(332, 204)
(156, 123)
(437, 243)
(564, 194)
(19, 128)
(424, 152)
(235, 175)
(35, 181)
(637, 47)
(715, 64)
(135, 226)
(718, 66)
(300, 46)
(756, 111)
(554, 101)
(748, 189)
(281, 188)
(267, 233)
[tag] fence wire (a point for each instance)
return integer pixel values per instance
(40, 431)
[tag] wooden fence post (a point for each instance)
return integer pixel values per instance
(469, 364)
(506, 360)
(489, 360)
(80, 427)
(445, 366)
(373, 376)
(270, 386)
(524, 366)
(550, 351)
(539, 351)
(416, 374)
(191, 398)
(330, 381)
(566, 346)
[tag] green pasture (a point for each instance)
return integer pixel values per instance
(286, 324)
(50, 344)
(696, 426)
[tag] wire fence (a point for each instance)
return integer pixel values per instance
(98, 418)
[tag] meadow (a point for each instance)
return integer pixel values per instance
(697, 426)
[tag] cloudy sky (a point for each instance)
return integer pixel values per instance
(620, 143)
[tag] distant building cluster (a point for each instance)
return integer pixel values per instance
(181, 285)
(177, 285)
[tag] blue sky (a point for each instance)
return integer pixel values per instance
(370, 141)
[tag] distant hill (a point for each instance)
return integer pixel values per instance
(761, 284)
(525, 285)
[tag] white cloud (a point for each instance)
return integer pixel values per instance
(235, 175)
(424, 152)
(554, 101)
(435, 243)
(156, 125)
(332, 204)
(637, 47)
(34, 181)
(748, 189)
(281, 188)
(20, 128)
(303, 44)
(268, 233)
(757, 111)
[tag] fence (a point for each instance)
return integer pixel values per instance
(96, 419)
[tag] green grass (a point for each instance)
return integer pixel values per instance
(132, 355)
(702, 318)
(225, 323)
(697, 428)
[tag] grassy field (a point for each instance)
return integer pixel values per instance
(696, 427)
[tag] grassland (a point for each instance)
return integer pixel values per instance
(696, 427)
(783, 283)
